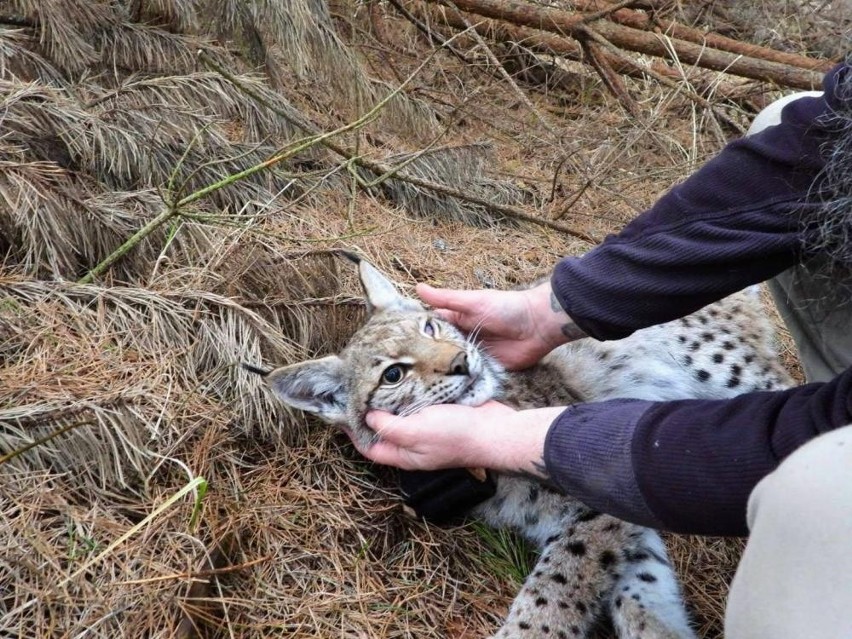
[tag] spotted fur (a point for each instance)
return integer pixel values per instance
(590, 564)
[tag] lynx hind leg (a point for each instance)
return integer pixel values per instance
(646, 602)
(555, 600)
(575, 575)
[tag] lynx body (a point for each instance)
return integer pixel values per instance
(405, 358)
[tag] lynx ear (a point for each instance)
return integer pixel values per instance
(381, 293)
(317, 386)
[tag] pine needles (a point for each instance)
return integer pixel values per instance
(122, 387)
(124, 390)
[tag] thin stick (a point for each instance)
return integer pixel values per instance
(672, 84)
(425, 30)
(506, 76)
(297, 147)
(197, 574)
(387, 171)
(43, 440)
(610, 78)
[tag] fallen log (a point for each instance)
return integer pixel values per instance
(574, 25)
(546, 43)
(647, 22)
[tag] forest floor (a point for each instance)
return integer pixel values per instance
(170, 496)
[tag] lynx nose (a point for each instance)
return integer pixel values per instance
(459, 365)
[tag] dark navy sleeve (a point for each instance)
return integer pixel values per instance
(687, 466)
(735, 222)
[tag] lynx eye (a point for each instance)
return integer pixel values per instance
(393, 375)
(429, 328)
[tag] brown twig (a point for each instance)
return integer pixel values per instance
(198, 574)
(322, 302)
(612, 81)
(43, 440)
(197, 604)
(556, 171)
(433, 37)
(390, 172)
(675, 84)
(574, 199)
(507, 77)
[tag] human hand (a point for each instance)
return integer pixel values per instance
(491, 435)
(439, 436)
(516, 327)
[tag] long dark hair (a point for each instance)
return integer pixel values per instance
(830, 231)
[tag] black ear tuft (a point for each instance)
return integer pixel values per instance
(254, 369)
(352, 257)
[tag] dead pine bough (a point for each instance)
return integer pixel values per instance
(166, 214)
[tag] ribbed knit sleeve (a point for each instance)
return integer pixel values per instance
(696, 462)
(735, 222)
(588, 453)
(687, 466)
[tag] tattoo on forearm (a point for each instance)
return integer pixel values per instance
(540, 468)
(569, 329)
(555, 306)
(538, 474)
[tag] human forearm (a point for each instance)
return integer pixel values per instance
(516, 445)
(552, 324)
(588, 455)
(739, 220)
(713, 453)
(687, 466)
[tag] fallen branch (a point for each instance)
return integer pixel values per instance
(390, 172)
(647, 22)
(550, 44)
(572, 24)
(43, 440)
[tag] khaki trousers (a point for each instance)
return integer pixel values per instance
(795, 577)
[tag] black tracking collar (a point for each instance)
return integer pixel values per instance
(444, 496)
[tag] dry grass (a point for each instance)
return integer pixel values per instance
(131, 384)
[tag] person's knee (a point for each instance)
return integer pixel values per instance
(792, 580)
(771, 115)
(813, 480)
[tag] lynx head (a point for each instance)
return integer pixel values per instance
(403, 359)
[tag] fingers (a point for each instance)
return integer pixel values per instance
(445, 298)
(382, 423)
(387, 454)
(391, 449)
(450, 305)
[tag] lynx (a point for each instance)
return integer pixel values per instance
(590, 565)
